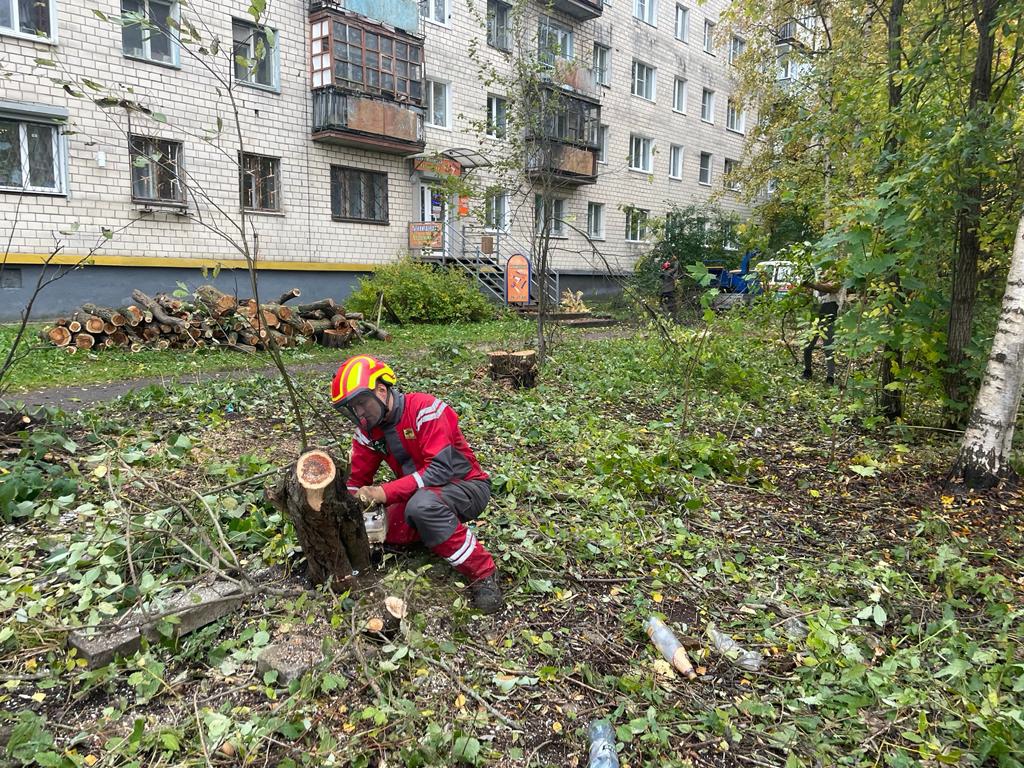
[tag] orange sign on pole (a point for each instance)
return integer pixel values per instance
(463, 205)
(517, 279)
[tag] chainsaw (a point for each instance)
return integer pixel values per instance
(375, 518)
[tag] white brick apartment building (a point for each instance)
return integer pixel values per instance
(110, 127)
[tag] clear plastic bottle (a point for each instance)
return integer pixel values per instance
(665, 641)
(725, 645)
(602, 745)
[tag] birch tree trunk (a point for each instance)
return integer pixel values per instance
(985, 450)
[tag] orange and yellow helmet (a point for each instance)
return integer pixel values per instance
(352, 391)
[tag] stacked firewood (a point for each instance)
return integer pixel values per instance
(209, 318)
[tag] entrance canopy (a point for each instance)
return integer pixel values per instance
(455, 161)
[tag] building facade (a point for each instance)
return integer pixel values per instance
(134, 131)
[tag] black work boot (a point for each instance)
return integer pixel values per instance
(486, 594)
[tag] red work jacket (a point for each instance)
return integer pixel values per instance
(421, 442)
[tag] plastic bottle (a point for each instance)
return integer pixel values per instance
(665, 641)
(725, 645)
(602, 745)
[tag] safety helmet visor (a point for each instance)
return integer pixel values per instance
(364, 409)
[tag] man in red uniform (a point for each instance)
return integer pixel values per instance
(438, 484)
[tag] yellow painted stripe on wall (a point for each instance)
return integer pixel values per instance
(69, 259)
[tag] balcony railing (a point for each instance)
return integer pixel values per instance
(563, 163)
(580, 9)
(359, 120)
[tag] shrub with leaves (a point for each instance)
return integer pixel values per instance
(420, 293)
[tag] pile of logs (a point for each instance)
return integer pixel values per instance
(209, 318)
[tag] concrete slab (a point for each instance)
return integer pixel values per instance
(195, 608)
(203, 605)
(101, 648)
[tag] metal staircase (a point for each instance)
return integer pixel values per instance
(462, 249)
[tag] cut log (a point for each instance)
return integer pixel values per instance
(71, 349)
(94, 324)
(336, 339)
(59, 336)
(328, 520)
(518, 368)
(354, 315)
(106, 313)
(74, 326)
(132, 314)
(108, 327)
(158, 312)
(327, 306)
(217, 302)
(387, 620)
(373, 331)
(85, 340)
(294, 293)
(118, 339)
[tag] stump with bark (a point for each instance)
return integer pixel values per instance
(327, 520)
(517, 368)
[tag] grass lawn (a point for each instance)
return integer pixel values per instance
(638, 479)
(47, 366)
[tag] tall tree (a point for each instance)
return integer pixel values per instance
(972, 197)
(987, 443)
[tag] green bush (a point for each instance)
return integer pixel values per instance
(420, 293)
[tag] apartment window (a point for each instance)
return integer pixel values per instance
(646, 11)
(640, 153)
(365, 60)
(261, 183)
(256, 61)
(595, 221)
(602, 64)
(730, 241)
(156, 171)
(32, 157)
(682, 23)
(553, 41)
(359, 195)
(735, 117)
(498, 24)
(785, 67)
(707, 106)
(602, 144)
(679, 95)
(497, 116)
(496, 211)
(675, 162)
(437, 104)
(636, 224)
(731, 167)
(434, 10)
(27, 17)
(150, 37)
(643, 80)
(554, 212)
(736, 47)
(704, 176)
(709, 37)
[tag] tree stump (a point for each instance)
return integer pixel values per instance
(327, 520)
(517, 368)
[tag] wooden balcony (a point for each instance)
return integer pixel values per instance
(563, 164)
(360, 120)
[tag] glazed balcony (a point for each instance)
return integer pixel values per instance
(366, 80)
